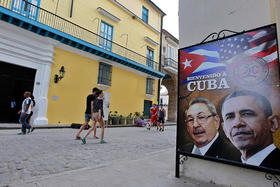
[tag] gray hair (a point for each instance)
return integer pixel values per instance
(205, 101)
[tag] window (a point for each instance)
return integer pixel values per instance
(150, 57)
(145, 14)
(26, 8)
(171, 52)
(149, 86)
(104, 75)
(106, 36)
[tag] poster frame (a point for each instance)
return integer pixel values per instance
(220, 160)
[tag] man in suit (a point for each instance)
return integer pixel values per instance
(249, 124)
(202, 124)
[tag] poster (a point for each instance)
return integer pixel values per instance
(106, 104)
(229, 100)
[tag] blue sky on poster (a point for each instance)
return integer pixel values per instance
(170, 21)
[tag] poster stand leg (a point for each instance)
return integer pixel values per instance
(177, 167)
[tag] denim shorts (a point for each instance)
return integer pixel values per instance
(87, 117)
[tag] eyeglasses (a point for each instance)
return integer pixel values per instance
(200, 119)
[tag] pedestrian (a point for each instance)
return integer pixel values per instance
(97, 116)
(24, 113)
(90, 98)
(154, 116)
(32, 105)
(162, 115)
(13, 110)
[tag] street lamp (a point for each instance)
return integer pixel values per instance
(57, 78)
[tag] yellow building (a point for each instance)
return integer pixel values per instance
(113, 45)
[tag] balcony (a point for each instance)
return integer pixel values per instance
(170, 65)
(40, 21)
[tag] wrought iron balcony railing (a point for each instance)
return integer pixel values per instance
(54, 21)
(170, 62)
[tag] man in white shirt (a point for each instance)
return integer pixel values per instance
(249, 124)
(24, 113)
(202, 124)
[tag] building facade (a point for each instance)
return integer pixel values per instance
(169, 66)
(69, 47)
(198, 19)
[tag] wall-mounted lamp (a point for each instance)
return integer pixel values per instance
(57, 78)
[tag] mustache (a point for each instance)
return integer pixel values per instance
(198, 131)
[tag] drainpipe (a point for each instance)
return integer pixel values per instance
(71, 10)
(160, 58)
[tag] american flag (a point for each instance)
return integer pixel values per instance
(260, 43)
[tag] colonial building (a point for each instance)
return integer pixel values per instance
(61, 49)
(169, 64)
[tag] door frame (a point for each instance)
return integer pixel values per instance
(30, 50)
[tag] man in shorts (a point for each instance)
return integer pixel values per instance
(162, 115)
(90, 99)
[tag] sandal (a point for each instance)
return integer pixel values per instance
(103, 141)
(84, 141)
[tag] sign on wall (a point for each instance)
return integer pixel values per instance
(229, 100)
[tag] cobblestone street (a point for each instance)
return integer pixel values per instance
(53, 151)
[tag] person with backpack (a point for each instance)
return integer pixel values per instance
(32, 105)
(97, 116)
(24, 113)
(162, 115)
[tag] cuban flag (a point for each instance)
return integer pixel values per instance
(200, 60)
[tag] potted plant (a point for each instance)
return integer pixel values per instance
(122, 120)
(129, 119)
(115, 118)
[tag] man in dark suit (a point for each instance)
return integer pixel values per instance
(203, 123)
(249, 124)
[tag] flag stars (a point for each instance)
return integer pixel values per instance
(187, 63)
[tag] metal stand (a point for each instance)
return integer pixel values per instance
(219, 35)
(177, 169)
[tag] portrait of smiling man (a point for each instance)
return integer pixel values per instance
(202, 123)
(249, 123)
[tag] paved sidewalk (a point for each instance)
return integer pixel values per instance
(52, 157)
(153, 170)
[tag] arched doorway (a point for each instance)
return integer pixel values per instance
(164, 98)
(170, 84)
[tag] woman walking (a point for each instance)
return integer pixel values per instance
(97, 116)
(154, 116)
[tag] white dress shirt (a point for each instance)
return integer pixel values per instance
(205, 148)
(259, 157)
